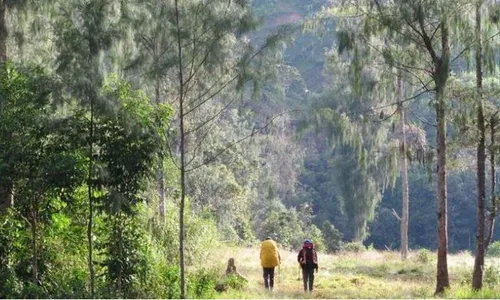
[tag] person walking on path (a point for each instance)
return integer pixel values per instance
(308, 260)
(269, 260)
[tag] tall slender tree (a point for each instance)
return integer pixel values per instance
(213, 60)
(84, 30)
(477, 278)
(404, 169)
(423, 27)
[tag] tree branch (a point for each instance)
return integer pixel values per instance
(210, 119)
(230, 145)
(425, 37)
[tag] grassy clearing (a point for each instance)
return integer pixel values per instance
(370, 274)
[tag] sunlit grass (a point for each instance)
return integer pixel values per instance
(370, 274)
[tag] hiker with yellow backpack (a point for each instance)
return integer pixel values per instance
(269, 260)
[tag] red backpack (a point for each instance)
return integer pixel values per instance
(309, 254)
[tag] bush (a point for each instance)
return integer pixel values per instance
(315, 234)
(10, 286)
(494, 249)
(201, 285)
(231, 282)
(491, 276)
(201, 235)
(424, 256)
(332, 237)
(354, 247)
(283, 227)
(160, 277)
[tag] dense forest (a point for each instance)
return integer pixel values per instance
(138, 136)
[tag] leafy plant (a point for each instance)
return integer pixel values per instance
(202, 283)
(494, 249)
(354, 247)
(491, 276)
(424, 256)
(332, 237)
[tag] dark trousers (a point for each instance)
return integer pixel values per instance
(269, 278)
(308, 278)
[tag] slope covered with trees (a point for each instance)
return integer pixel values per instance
(138, 136)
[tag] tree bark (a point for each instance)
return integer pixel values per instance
(34, 246)
(441, 74)
(493, 210)
(477, 277)
(442, 205)
(182, 150)
(6, 186)
(3, 32)
(404, 172)
(161, 174)
(91, 199)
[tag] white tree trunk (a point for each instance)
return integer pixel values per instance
(404, 173)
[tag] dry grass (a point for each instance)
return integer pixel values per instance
(371, 274)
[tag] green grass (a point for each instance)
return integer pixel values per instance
(371, 274)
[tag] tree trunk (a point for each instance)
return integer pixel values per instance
(119, 224)
(6, 186)
(441, 73)
(160, 175)
(34, 246)
(404, 172)
(493, 210)
(91, 200)
(3, 32)
(442, 205)
(477, 277)
(182, 150)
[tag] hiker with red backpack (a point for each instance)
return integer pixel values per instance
(308, 260)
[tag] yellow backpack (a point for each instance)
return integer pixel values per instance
(269, 257)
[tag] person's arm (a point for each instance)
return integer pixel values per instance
(317, 265)
(299, 257)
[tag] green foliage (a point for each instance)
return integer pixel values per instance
(494, 249)
(466, 292)
(201, 235)
(491, 276)
(201, 284)
(270, 185)
(161, 278)
(282, 226)
(332, 237)
(354, 247)
(123, 261)
(424, 256)
(231, 282)
(288, 226)
(236, 282)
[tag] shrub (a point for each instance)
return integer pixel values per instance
(315, 234)
(231, 282)
(201, 235)
(10, 286)
(424, 256)
(491, 276)
(332, 237)
(494, 249)
(354, 247)
(161, 276)
(201, 285)
(284, 227)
